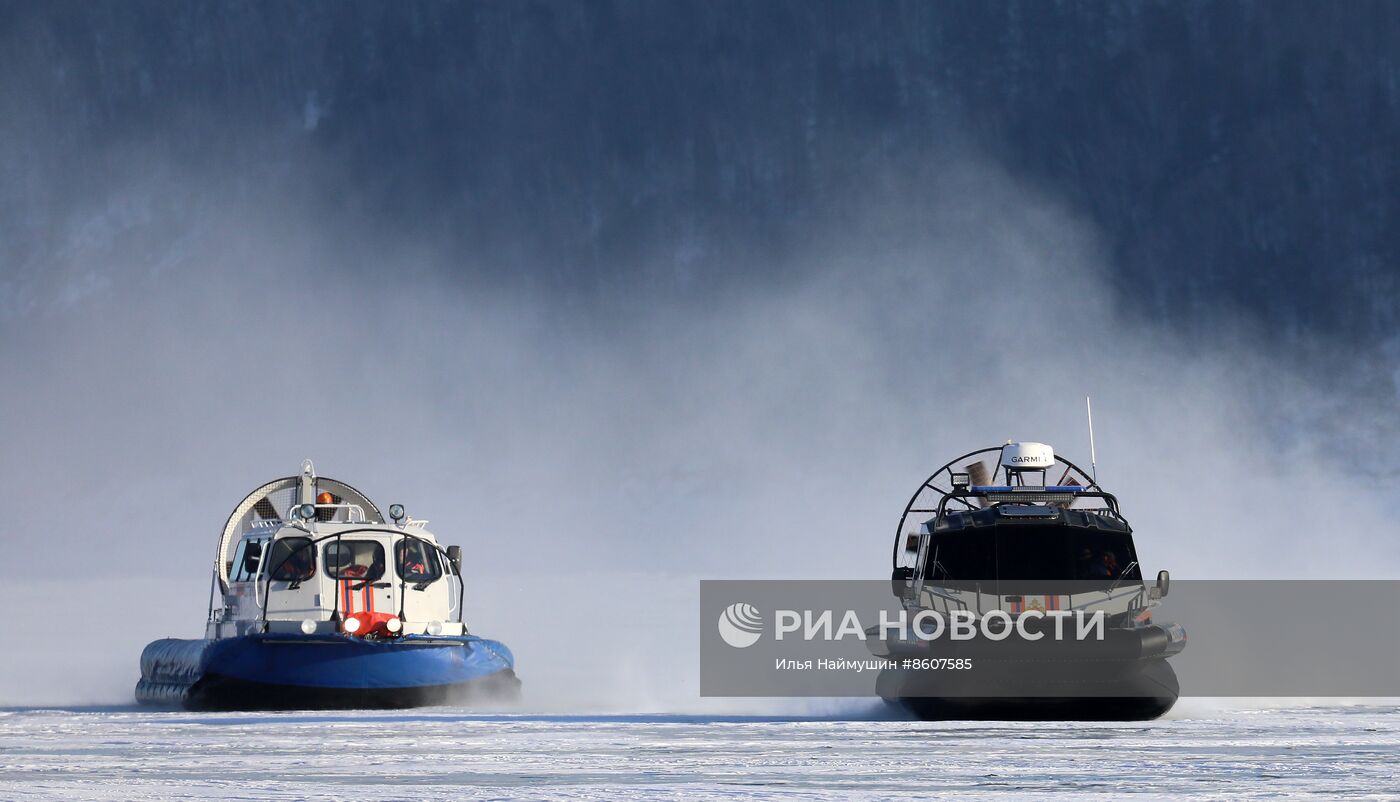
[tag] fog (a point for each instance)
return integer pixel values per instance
(596, 456)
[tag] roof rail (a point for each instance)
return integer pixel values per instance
(1028, 494)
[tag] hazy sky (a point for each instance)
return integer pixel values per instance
(596, 456)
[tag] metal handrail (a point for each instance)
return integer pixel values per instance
(981, 492)
(351, 511)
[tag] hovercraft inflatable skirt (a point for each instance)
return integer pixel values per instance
(287, 671)
(1086, 692)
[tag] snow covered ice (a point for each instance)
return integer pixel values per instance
(1203, 751)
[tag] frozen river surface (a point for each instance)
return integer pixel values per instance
(130, 754)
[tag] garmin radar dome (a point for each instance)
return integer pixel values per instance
(1027, 456)
(318, 602)
(1021, 535)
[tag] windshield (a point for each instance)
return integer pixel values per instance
(354, 559)
(292, 559)
(416, 561)
(962, 557)
(1038, 552)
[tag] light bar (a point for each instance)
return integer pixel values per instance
(1054, 494)
(991, 489)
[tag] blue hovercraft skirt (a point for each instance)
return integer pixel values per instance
(291, 672)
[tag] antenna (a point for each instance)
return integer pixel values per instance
(1093, 458)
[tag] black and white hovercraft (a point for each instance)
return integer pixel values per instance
(1029, 544)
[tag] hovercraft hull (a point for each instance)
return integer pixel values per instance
(1138, 691)
(286, 671)
(1123, 677)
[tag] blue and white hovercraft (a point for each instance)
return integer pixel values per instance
(327, 605)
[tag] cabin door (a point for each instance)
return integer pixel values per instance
(360, 575)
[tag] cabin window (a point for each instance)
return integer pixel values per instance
(354, 559)
(238, 569)
(1052, 552)
(962, 557)
(417, 562)
(1104, 555)
(291, 559)
(1030, 552)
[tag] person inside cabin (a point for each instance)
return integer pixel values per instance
(359, 560)
(1084, 566)
(1107, 566)
(299, 563)
(413, 563)
(1098, 569)
(292, 560)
